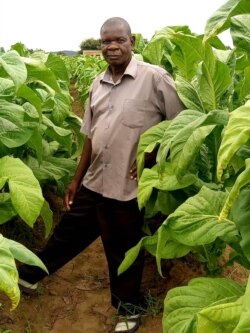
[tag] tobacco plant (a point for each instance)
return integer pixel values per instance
(201, 179)
(39, 144)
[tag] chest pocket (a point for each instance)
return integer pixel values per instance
(133, 114)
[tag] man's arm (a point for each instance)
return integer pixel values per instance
(81, 170)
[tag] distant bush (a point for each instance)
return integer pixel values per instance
(90, 44)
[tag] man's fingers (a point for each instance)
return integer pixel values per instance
(68, 201)
(133, 173)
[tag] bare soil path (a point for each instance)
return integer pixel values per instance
(76, 298)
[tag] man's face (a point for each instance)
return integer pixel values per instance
(116, 45)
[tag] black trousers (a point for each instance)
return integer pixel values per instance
(119, 223)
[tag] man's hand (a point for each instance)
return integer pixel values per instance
(69, 195)
(150, 160)
(133, 172)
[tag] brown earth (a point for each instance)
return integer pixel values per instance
(76, 298)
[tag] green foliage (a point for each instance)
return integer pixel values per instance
(83, 69)
(21, 192)
(39, 146)
(206, 305)
(202, 169)
(90, 44)
(9, 251)
(35, 112)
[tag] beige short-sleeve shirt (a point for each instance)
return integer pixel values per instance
(116, 115)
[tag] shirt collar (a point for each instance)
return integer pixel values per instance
(130, 70)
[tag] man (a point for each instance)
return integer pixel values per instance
(125, 100)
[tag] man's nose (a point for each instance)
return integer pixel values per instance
(113, 44)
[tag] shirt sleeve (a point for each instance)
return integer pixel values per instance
(87, 118)
(170, 103)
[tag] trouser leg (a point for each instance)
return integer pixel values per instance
(121, 228)
(77, 229)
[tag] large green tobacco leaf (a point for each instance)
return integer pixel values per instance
(196, 221)
(57, 66)
(16, 127)
(149, 140)
(38, 72)
(236, 134)
(214, 80)
(172, 250)
(164, 202)
(63, 136)
(9, 251)
(25, 191)
(189, 139)
(183, 159)
(47, 216)
(244, 322)
(139, 44)
(148, 242)
(197, 59)
(168, 247)
(221, 19)
(183, 304)
(240, 214)
(189, 94)
(30, 95)
(8, 274)
(240, 31)
(35, 142)
(242, 87)
(231, 317)
(219, 318)
(167, 181)
(61, 108)
(158, 46)
(22, 254)
(13, 65)
(189, 53)
(187, 126)
(51, 168)
(73, 122)
(176, 125)
(242, 180)
(241, 219)
(6, 208)
(159, 50)
(7, 87)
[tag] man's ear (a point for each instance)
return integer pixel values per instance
(132, 38)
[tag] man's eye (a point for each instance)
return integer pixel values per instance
(118, 41)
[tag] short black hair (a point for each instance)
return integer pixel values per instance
(118, 21)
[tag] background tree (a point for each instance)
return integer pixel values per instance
(90, 44)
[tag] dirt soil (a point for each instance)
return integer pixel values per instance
(76, 298)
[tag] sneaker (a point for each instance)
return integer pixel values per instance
(27, 287)
(128, 324)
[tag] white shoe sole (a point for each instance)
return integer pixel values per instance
(27, 287)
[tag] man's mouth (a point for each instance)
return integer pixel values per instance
(113, 56)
